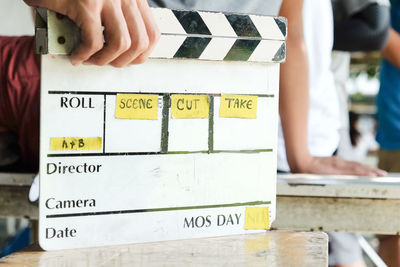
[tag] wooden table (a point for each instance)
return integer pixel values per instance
(338, 203)
(267, 249)
(304, 202)
(14, 190)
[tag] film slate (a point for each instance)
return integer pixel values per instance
(182, 146)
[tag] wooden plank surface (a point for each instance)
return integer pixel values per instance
(309, 202)
(14, 190)
(360, 206)
(16, 179)
(345, 186)
(379, 216)
(269, 249)
(14, 203)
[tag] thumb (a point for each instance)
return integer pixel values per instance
(55, 5)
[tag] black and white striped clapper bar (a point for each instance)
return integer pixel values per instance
(181, 146)
(197, 35)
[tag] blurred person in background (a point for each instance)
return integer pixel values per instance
(388, 132)
(310, 117)
(388, 100)
(359, 25)
(362, 136)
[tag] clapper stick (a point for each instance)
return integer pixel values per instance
(182, 146)
(190, 34)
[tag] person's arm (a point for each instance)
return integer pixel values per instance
(391, 52)
(130, 31)
(365, 31)
(294, 93)
(294, 105)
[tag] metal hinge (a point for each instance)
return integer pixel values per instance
(41, 37)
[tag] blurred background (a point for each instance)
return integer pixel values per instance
(15, 19)
(361, 87)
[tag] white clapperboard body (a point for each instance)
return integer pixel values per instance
(182, 146)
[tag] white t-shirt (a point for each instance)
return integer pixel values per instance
(260, 7)
(324, 116)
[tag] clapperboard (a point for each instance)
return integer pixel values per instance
(182, 146)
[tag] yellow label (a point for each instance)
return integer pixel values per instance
(136, 106)
(189, 106)
(75, 143)
(256, 218)
(238, 106)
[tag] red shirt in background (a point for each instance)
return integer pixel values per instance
(20, 95)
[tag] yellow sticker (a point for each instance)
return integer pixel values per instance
(75, 143)
(238, 106)
(136, 106)
(189, 106)
(256, 218)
